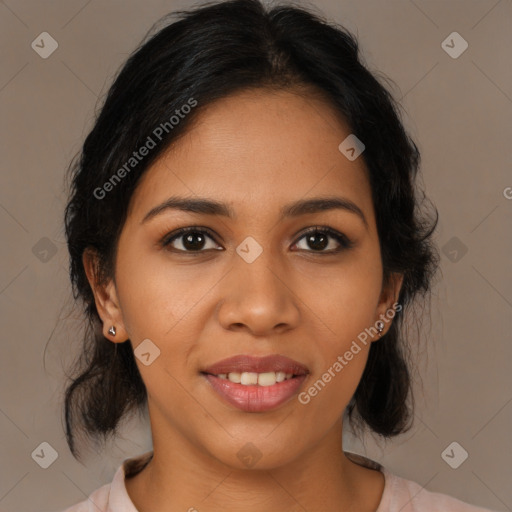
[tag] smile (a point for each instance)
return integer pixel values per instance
(252, 378)
(257, 397)
(256, 384)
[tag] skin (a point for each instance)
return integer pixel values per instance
(256, 151)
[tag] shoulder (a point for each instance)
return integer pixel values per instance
(408, 496)
(113, 497)
(401, 495)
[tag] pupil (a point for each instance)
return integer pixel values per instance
(322, 245)
(192, 244)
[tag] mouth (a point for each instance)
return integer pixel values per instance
(256, 384)
(254, 378)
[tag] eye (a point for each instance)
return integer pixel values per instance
(318, 237)
(195, 240)
(191, 239)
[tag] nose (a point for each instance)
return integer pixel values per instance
(258, 297)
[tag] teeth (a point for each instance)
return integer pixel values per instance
(280, 376)
(253, 378)
(267, 379)
(249, 378)
(235, 377)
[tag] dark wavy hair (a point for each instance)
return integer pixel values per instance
(208, 53)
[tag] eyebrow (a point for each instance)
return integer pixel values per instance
(211, 207)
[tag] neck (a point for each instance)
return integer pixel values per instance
(181, 477)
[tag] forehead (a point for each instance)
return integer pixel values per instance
(258, 147)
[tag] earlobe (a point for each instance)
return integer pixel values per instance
(105, 298)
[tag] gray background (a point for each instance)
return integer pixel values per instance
(458, 110)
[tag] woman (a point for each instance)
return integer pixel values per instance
(245, 235)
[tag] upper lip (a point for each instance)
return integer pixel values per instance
(247, 363)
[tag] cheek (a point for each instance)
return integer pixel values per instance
(159, 304)
(344, 304)
(157, 297)
(333, 383)
(343, 299)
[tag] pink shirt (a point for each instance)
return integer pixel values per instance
(399, 495)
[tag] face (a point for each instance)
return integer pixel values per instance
(256, 283)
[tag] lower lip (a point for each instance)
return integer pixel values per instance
(255, 398)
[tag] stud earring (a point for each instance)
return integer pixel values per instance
(112, 331)
(380, 327)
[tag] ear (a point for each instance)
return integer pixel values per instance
(388, 297)
(105, 297)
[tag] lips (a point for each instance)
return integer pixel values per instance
(256, 384)
(245, 363)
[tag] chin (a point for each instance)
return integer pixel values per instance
(261, 452)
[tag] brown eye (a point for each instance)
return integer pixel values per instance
(319, 239)
(190, 240)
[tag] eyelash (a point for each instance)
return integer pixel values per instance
(343, 240)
